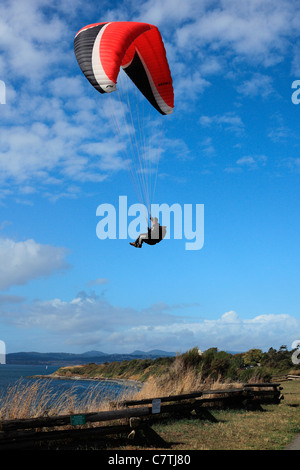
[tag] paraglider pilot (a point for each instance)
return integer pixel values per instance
(154, 235)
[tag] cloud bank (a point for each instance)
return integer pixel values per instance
(91, 322)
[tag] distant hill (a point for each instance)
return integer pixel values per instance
(94, 354)
(65, 359)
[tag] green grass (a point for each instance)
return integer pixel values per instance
(270, 429)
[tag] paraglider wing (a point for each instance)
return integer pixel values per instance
(101, 49)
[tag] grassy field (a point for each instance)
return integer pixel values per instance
(270, 429)
(273, 428)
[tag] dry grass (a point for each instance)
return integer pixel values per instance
(180, 379)
(40, 397)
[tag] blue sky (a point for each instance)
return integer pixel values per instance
(231, 144)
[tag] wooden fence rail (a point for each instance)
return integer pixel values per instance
(286, 377)
(132, 415)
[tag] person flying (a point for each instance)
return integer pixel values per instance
(154, 235)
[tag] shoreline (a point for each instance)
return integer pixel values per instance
(91, 379)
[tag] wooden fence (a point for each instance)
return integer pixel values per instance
(284, 378)
(131, 417)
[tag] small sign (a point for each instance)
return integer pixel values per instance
(156, 402)
(77, 419)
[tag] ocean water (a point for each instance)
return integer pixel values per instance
(13, 377)
(10, 374)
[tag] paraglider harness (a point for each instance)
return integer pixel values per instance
(155, 238)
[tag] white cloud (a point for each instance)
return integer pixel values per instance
(50, 121)
(296, 60)
(170, 12)
(47, 144)
(257, 30)
(292, 163)
(258, 85)
(207, 146)
(30, 36)
(228, 332)
(279, 132)
(252, 162)
(248, 162)
(23, 261)
(188, 87)
(88, 321)
(228, 121)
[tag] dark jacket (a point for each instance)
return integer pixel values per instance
(155, 234)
